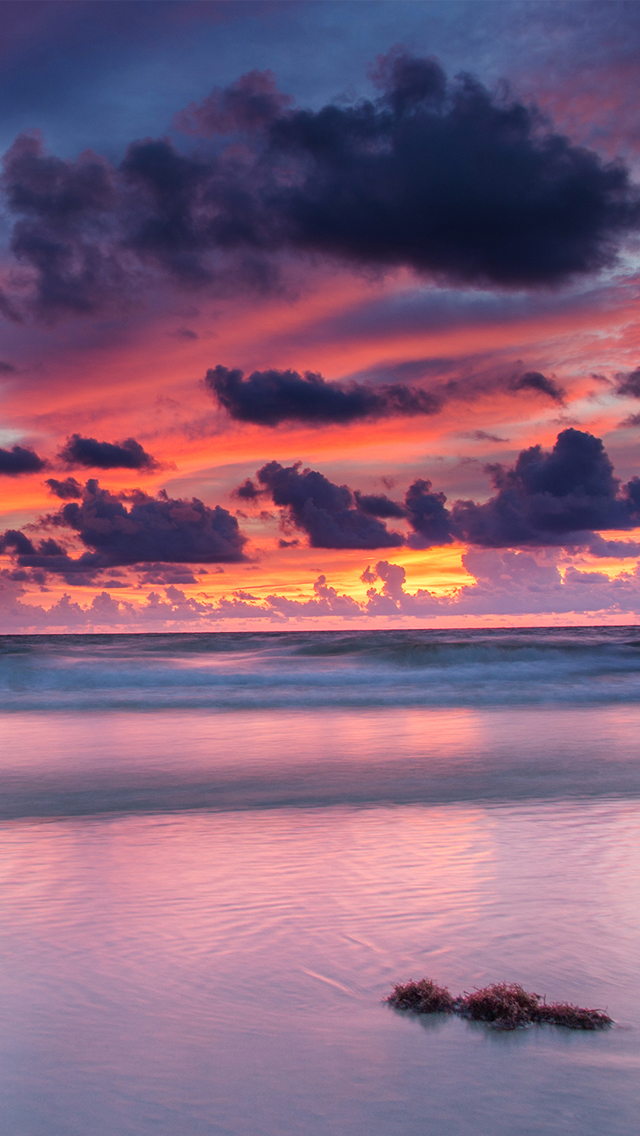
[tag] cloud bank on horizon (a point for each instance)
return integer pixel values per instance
(428, 292)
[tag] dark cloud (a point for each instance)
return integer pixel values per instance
(479, 381)
(534, 381)
(66, 490)
(442, 177)
(323, 510)
(558, 497)
(16, 540)
(428, 517)
(448, 179)
(629, 384)
(551, 497)
(165, 223)
(164, 575)
(20, 459)
(9, 310)
(378, 505)
(153, 530)
(632, 497)
(6, 368)
(250, 104)
(619, 549)
(89, 452)
(48, 555)
(481, 436)
(270, 397)
(248, 491)
(467, 378)
(68, 231)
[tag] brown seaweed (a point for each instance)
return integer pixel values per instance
(423, 997)
(574, 1017)
(502, 1005)
(506, 1004)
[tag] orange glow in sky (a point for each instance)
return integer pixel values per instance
(475, 370)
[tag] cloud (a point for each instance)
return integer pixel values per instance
(470, 385)
(506, 583)
(326, 602)
(153, 530)
(270, 397)
(481, 436)
(629, 384)
(248, 491)
(20, 459)
(442, 177)
(66, 490)
(65, 615)
(250, 104)
(167, 574)
(551, 497)
(558, 497)
(49, 555)
(423, 509)
(619, 549)
(68, 230)
(323, 510)
(448, 179)
(512, 582)
(466, 378)
(430, 520)
(378, 505)
(107, 455)
(165, 225)
(534, 381)
(9, 311)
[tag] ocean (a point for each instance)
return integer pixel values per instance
(219, 852)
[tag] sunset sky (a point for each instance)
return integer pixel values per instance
(319, 314)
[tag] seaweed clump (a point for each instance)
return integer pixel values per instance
(506, 1004)
(502, 1005)
(575, 1017)
(423, 997)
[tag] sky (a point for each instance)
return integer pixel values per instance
(319, 314)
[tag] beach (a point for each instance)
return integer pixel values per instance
(220, 853)
(320, 568)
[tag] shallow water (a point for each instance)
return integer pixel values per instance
(203, 908)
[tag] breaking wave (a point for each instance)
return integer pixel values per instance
(227, 670)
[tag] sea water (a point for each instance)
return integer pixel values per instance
(219, 852)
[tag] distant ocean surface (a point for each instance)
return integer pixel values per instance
(218, 852)
(226, 670)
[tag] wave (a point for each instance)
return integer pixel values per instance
(239, 670)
